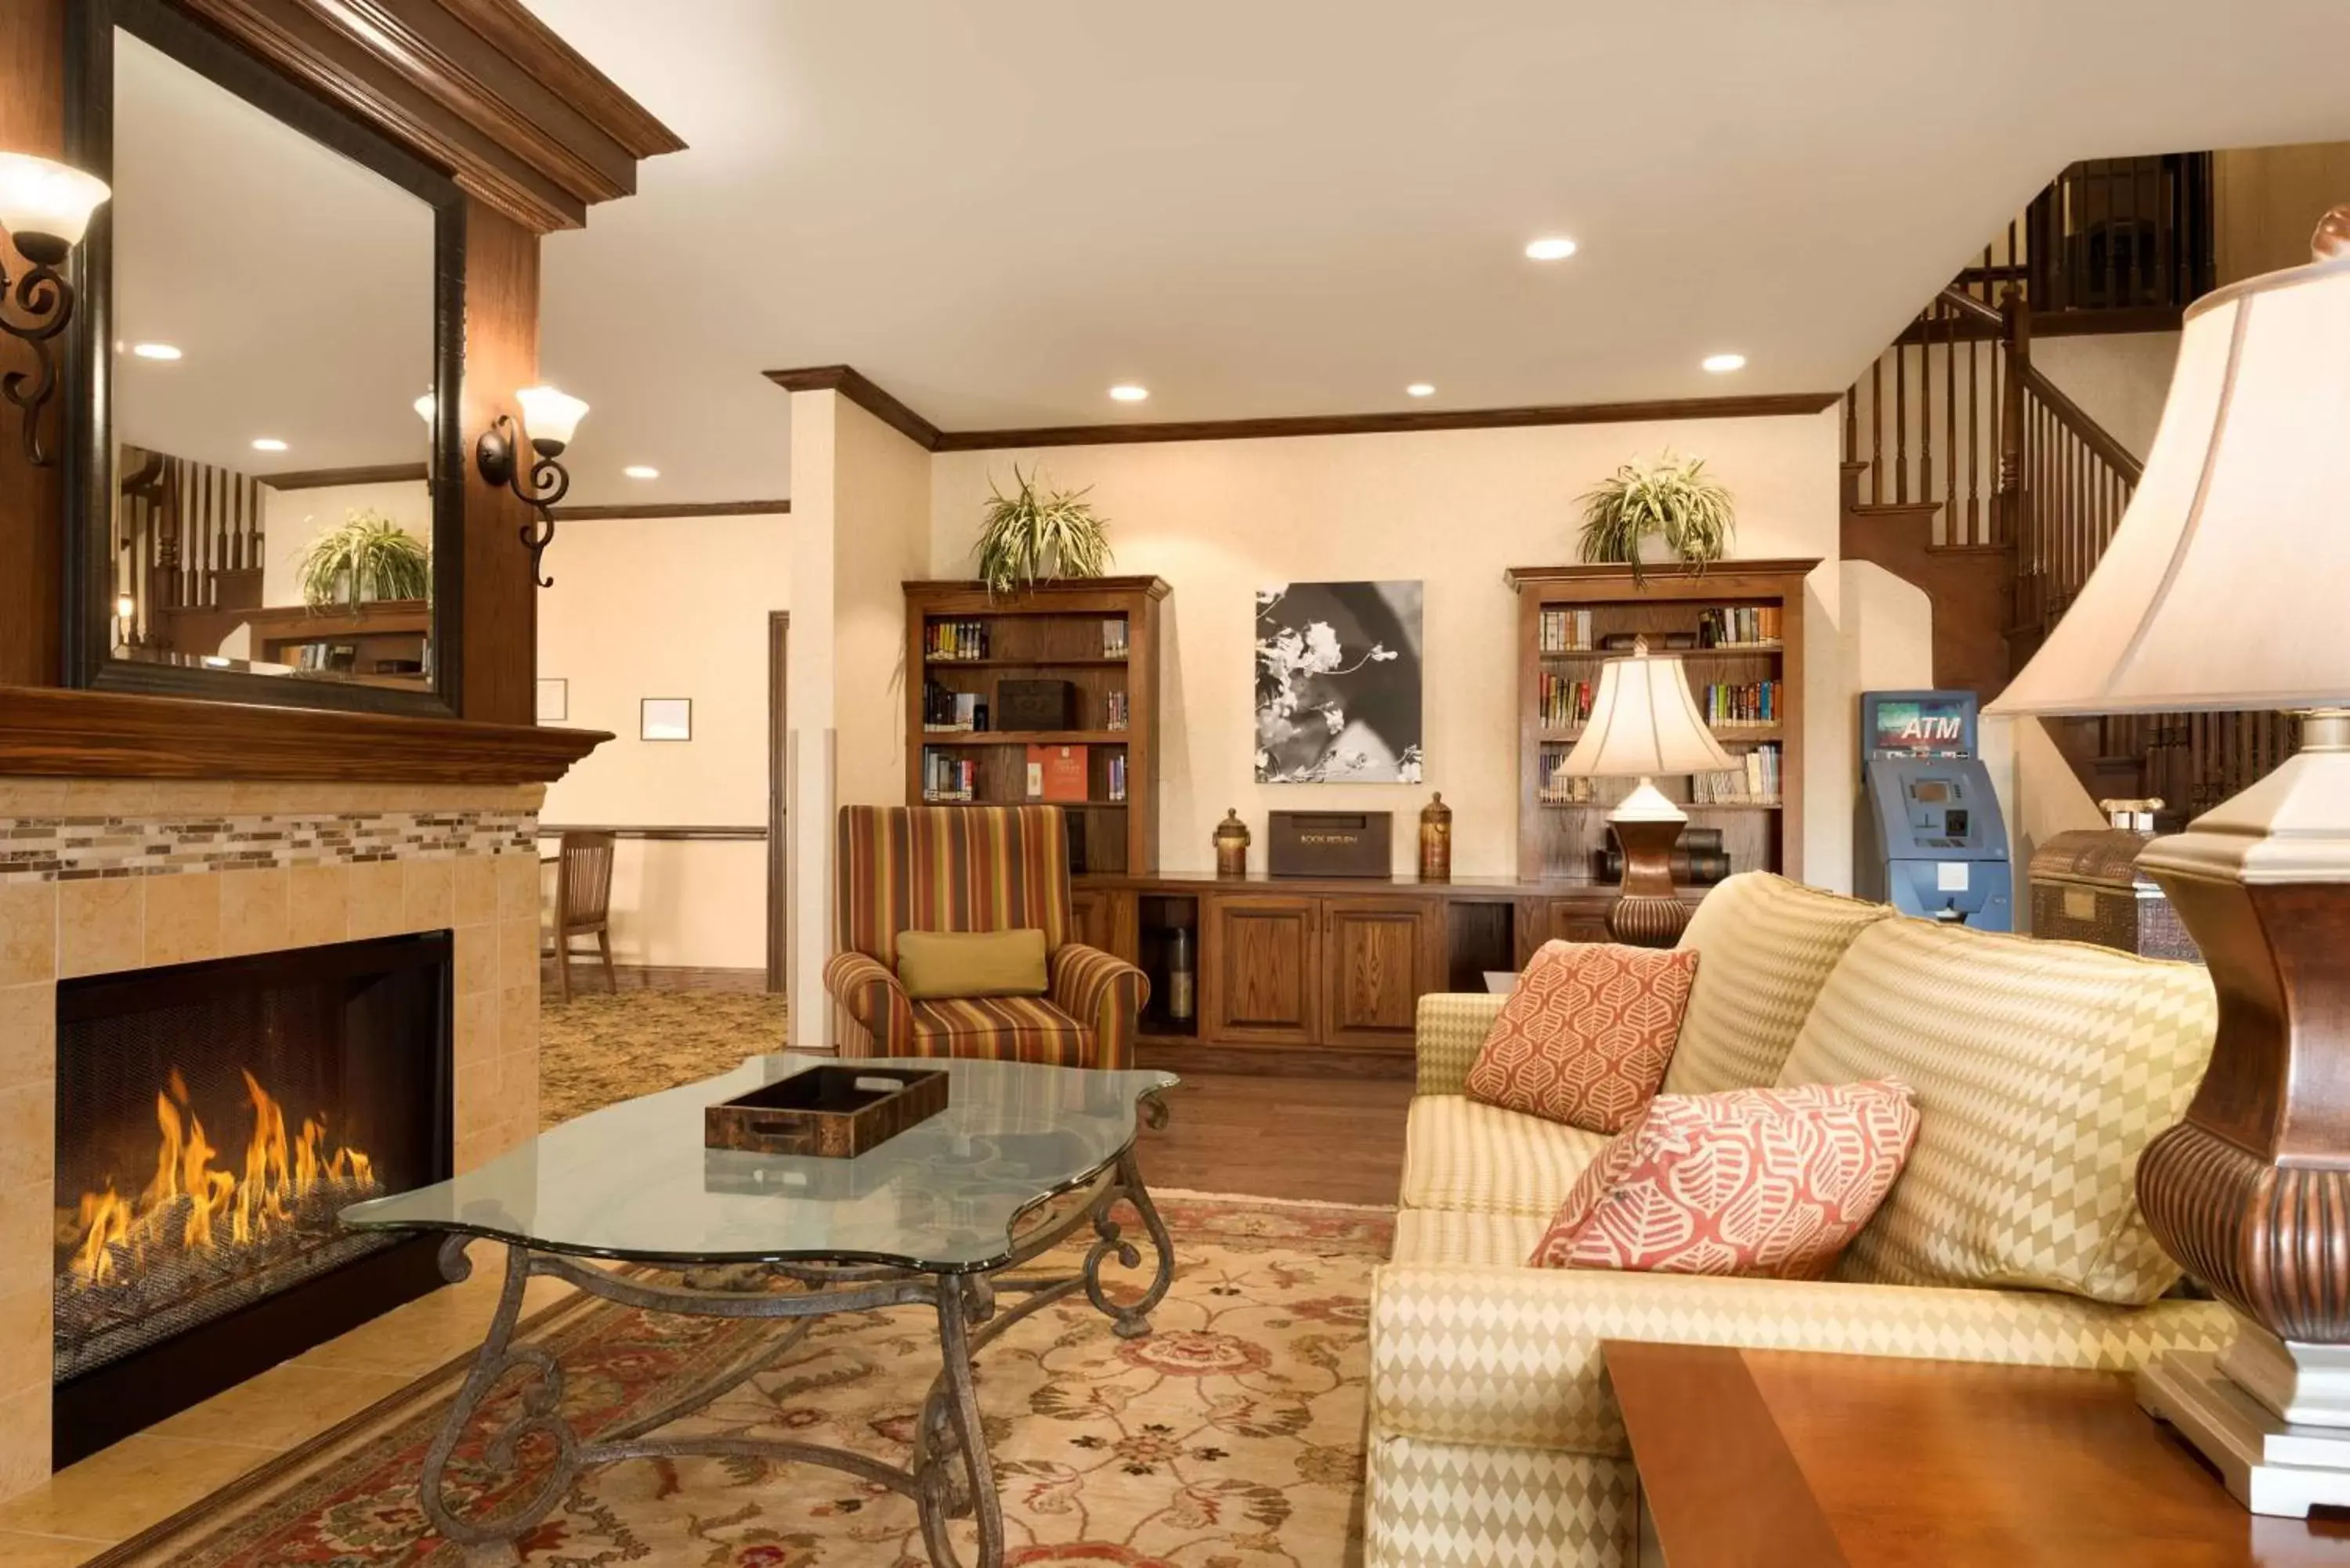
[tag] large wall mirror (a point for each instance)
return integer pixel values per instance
(265, 386)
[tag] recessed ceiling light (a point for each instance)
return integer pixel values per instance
(1420, 390)
(268, 443)
(1558, 248)
(1723, 364)
(1128, 393)
(640, 471)
(155, 351)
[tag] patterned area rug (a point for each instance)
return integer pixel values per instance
(1231, 1438)
(598, 1047)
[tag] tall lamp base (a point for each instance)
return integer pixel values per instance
(2250, 1191)
(1646, 913)
(2273, 1466)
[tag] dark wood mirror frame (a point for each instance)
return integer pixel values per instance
(90, 479)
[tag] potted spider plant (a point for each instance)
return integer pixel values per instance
(365, 559)
(1649, 514)
(1036, 535)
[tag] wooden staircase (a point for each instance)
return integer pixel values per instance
(1997, 495)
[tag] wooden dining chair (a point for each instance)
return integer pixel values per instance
(583, 898)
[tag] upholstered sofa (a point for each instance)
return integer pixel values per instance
(971, 869)
(2040, 1069)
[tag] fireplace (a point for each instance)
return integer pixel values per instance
(212, 1119)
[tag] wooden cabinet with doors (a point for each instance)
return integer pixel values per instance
(1263, 956)
(1332, 969)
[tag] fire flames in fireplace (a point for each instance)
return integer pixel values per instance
(199, 1215)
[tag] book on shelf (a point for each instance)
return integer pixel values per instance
(1732, 703)
(1563, 631)
(1118, 776)
(1558, 787)
(949, 779)
(1056, 774)
(1115, 711)
(1628, 641)
(945, 711)
(1562, 703)
(1739, 626)
(1755, 783)
(1114, 638)
(948, 640)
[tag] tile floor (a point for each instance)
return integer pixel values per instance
(114, 1494)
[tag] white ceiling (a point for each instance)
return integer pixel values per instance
(1276, 207)
(297, 284)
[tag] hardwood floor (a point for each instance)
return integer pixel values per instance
(1336, 1139)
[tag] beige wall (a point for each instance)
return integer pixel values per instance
(860, 519)
(1452, 509)
(2120, 379)
(670, 607)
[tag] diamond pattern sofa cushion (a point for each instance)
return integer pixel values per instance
(1584, 1037)
(1766, 946)
(1448, 1031)
(2041, 1070)
(1772, 1183)
(1458, 1153)
(1468, 1505)
(1510, 1355)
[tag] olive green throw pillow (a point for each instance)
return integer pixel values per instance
(935, 964)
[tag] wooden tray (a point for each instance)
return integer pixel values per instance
(834, 1113)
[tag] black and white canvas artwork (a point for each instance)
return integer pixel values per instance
(1338, 683)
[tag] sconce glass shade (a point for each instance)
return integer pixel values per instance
(426, 406)
(550, 418)
(46, 206)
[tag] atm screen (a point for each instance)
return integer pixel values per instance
(1930, 789)
(1919, 727)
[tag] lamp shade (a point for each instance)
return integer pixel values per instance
(551, 418)
(2223, 587)
(45, 206)
(1644, 721)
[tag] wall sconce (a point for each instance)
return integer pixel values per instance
(45, 207)
(550, 417)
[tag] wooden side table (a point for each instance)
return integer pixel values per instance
(1752, 1458)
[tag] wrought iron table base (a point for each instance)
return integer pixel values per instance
(950, 1475)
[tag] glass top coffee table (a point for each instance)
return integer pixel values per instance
(939, 1216)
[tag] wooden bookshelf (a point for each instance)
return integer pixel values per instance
(1052, 633)
(1566, 838)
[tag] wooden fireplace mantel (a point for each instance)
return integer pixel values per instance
(55, 734)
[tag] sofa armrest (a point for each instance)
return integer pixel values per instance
(1105, 993)
(1507, 1356)
(1446, 1033)
(865, 989)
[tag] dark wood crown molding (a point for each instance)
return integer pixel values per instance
(1766, 406)
(480, 88)
(64, 733)
(652, 509)
(861, 392)
(327, 478)
(857, 390)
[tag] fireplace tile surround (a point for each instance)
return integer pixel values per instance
(105, 875)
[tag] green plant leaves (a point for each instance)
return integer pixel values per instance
(1035, 536)
(365, 559)
(1672, 497)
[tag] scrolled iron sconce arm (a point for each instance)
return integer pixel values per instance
(542, 485)
(44, 306)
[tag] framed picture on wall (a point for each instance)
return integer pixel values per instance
(665, 719)
(554, 700)
(1338, 683)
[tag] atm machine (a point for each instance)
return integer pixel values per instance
(1930, 841)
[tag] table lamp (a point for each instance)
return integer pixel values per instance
(2224, 588)
(1644, 721)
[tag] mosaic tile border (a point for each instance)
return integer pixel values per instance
(77, 848)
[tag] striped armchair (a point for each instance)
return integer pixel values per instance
(971, 869)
